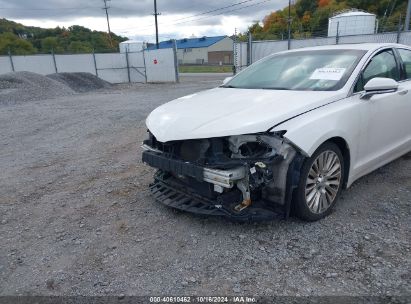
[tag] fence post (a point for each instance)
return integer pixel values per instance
(128, 66)
(289, 25)
(235, 52)
(250, 49)
(145, 66)
(54, 60)
(11, 61)
(337, 36)
(407, 17)
(95, 63)
(399, 29)
(175, 60)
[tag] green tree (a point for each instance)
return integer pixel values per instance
(18, 46)
(80, 47)
(303, 6)
(51, 43)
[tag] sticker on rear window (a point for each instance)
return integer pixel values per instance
(328, 74)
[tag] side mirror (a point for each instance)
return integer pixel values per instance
(227, 80)
(379, 85)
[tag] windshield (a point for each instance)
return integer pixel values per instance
(324, 70)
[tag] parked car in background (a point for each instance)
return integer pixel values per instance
(287, 133)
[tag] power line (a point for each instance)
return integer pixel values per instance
(225, 12)
(196, 19)
(199, 14)
(45, 9)
(214, 10)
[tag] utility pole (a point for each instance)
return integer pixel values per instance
(155, 18)
(108, 21)
(289, 24)
(106, 9)
(407, 17)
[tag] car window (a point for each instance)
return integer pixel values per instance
(381, 65)
(406, 58)
(319, 70)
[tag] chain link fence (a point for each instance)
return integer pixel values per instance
(143, 66)
(248, 52)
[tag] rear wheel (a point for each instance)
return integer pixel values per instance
(321, 182)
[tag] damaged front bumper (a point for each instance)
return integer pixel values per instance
(241, 188)
(222, 178)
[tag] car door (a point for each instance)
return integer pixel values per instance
(405, 89)
(385, 117)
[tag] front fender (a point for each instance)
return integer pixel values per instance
(309, 130)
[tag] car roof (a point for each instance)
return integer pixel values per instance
(353, 46)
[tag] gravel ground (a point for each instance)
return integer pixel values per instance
(76, 219)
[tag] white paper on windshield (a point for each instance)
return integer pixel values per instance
(328, 74)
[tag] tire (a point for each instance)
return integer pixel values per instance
(321, 182)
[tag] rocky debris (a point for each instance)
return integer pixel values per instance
(21, 87)
(50, 284)
(81, 82)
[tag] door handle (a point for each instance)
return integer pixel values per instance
(402, 92)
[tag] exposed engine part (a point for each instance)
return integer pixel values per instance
(260, 175)
(244, 204)
(236, 171)
(223, 178)
(260, 165)
(218, 188)
(253, 146)
(244, 186)
(270, 177)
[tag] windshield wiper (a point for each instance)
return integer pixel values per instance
(277, 88)
(228, 86)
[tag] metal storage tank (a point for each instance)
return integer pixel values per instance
(352, 22)
(131, 46)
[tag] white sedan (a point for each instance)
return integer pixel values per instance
(287, 133)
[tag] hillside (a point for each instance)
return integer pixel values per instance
(310, 17)
(23, 40)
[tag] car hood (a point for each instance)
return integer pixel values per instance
(227, 111)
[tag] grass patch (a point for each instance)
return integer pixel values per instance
(205, 69)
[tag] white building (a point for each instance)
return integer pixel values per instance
(131, 46)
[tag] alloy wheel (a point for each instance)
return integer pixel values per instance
(323, 182)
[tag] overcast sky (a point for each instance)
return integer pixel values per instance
(134, 19)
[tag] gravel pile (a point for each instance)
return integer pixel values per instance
(26, 86)
(81, 82)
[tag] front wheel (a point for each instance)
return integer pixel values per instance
(321, 181)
